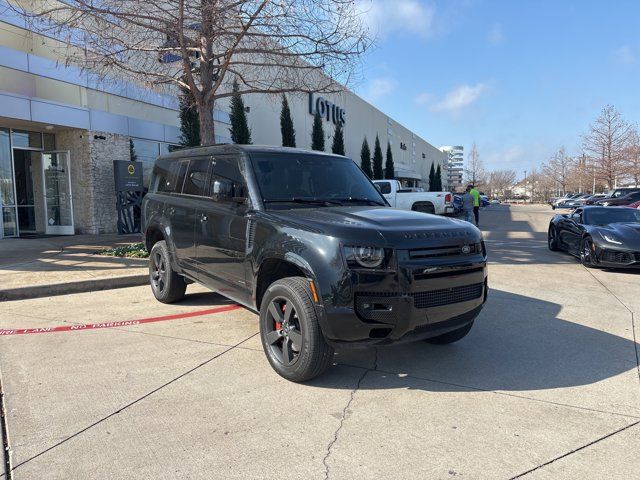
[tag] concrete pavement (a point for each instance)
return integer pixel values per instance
(546, 385)
(45, 266)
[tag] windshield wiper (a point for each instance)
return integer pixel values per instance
(313, 201)
(364, 200)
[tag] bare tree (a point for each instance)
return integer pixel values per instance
(559, 169)
(632, 156)
(474, 171)
(500, 182)
(606, 142)
(269, 46)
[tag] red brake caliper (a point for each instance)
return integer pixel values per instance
(278, 324)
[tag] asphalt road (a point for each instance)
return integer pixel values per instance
(546, 385)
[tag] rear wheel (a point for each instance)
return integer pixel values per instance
(587, 252)
(552, 239)
(452, 336)
(290, 331)
(424, 207)
(167, 285)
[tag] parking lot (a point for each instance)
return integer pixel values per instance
(546, 385)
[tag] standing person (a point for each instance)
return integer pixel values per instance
(467, 205)
(476, 203)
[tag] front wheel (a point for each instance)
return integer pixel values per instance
(452, 336)
(167, 285)
(290, 331)
(552, 239)
(587, 252)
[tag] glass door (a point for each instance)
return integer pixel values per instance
(58, 202)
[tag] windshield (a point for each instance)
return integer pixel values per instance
(609, 215)
(298, 179)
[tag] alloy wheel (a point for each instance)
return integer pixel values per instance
(283, 332)
(585, 253)
(158, 272)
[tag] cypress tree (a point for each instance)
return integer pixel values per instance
(132, 151)
(317, 133)
(432, 178)
(438, 179)
(377, 161)
(365, 158)
(389, 170)
(189, 120)
(240, 132)
(338, 140)
(286, 125)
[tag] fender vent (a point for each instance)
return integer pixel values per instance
(251, 235)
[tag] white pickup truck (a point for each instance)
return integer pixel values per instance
(407, 199)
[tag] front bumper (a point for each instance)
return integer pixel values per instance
(417, 301)
(613, 258)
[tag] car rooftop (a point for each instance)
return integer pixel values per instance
(235, 148)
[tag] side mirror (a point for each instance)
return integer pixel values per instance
(225, 190)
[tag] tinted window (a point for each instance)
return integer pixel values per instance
(385, 187)
(231, 183)
(287, 176)
(606, 215)
(197, 179)
(164, 176)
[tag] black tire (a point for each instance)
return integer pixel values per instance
(586, 252)
(452, 336)
(290, 331)
(424, 207)
(552, 239)
(167, 286)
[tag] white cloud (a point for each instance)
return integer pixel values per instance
(625, 54)
(379, 87)
(459, 98)
(406, 16)
(424, 98)
(496, 36)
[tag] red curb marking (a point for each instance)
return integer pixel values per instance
(126, 323)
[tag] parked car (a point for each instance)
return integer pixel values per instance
(619, 201)
(457, 205)
(570, 202)
(495, 201)
(598, 236)
(439, 203)
(591, 199)
(484, 201)
(307, 241)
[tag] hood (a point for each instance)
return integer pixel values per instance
(627, 233)
(381, 226)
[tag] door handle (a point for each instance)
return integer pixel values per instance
(204, 218)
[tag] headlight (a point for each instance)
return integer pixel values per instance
(611, 239)
(366, 257)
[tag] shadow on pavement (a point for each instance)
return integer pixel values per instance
(517, 343)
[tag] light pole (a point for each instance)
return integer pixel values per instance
(525, 186)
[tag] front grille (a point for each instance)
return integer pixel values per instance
(447, 296)
(613, 256)
(446, 251)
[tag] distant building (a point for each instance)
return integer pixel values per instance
(454, 167)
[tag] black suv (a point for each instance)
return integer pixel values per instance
(305, 239)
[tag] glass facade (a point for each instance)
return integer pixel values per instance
(7, 193)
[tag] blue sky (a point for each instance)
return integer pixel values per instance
(520, 78)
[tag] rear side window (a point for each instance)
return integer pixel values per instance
(385, 187)
(198, 176)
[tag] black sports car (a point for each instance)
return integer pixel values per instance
(598, 236)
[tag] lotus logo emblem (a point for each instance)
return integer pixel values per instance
(466, 249)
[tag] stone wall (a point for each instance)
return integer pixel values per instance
(92, 182)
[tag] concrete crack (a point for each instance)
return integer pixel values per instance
(325, 460)
(633, 322)
(130, 404)
(575, 450)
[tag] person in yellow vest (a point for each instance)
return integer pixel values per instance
(476, 204)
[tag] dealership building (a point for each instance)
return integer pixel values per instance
(62, 128)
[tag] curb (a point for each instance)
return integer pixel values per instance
(55, 289)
